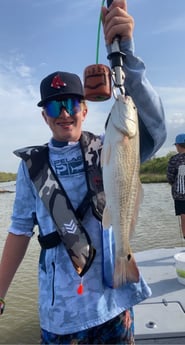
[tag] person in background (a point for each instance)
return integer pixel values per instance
(176, 178)
(77, 304)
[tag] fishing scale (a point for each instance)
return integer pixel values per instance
(97, 77)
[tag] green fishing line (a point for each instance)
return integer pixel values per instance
(98, 36)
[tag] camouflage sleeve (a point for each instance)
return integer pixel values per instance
(23, 217)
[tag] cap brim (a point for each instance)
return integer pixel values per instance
(57, 96)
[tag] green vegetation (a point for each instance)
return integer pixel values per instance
(7, 177)
(152, 171)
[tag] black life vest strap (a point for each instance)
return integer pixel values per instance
(91, 146)
(72, 233)
(50, 241)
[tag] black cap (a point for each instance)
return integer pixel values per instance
(59, 84)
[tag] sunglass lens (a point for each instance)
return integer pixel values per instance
(76, 106)
(53, 109)
(72, 106)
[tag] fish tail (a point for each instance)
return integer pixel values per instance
(126, 271)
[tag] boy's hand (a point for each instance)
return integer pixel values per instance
(117, 22)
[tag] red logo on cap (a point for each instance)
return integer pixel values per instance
(57, 82)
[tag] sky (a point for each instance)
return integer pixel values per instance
(39, 37)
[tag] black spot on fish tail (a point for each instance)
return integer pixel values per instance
(129, 257)
(126, 271)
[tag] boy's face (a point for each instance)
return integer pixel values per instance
(66, 127)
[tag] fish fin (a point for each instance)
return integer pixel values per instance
(126, 271)
(106, 218)
(140, 192)
(102, 158)
(139, 200)
(105, 157)
(108, 154)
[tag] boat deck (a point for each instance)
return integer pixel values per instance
(161, 318)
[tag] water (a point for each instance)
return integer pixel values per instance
(157, 227)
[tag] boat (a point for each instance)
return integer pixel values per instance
(161, 318)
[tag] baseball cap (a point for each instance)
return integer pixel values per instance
(60, 84)
(180, 139)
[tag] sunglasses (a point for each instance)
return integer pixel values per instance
(54, 108)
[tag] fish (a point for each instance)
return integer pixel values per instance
(120, 161)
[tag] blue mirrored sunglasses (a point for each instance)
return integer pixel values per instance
(54, 108)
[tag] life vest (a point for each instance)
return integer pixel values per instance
(68, 221)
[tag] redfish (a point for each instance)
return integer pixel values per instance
(123, 192)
